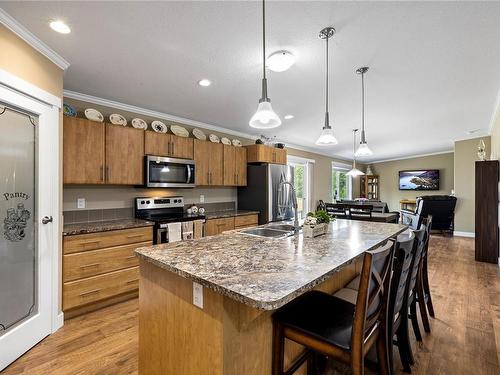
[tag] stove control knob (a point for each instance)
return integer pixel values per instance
(142, 202)
(148, 202)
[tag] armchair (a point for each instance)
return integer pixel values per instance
(441, 207)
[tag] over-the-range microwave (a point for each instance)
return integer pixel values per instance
(163, 172)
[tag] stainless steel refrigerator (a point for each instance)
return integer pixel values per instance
(263, 193)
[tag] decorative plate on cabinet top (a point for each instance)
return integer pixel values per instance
(213, 138)
(237, 143)
(139, 123)
(94, 115)
(69, 110)
(199, 134)
(179, 131)
(117, 119)
(225, 141)
(159, 126)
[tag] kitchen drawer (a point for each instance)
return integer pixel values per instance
(96, 262)
(246, 221)
(217, 226)
(96, 288)
(100, 240)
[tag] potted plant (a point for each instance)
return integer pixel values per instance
(316, 223)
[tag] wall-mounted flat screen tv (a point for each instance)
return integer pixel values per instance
(419, 180)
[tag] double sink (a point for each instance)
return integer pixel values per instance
(271, 231)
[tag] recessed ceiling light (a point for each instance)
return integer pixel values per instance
(289, 117)
(204, 82)
(60, 27)
(280, 61)
(472, 131)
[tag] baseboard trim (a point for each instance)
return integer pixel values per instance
(464, 234)
(58, 322)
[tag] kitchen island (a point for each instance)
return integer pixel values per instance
(244, 279)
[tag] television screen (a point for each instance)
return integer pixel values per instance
(419, 180)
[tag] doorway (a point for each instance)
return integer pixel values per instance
(301, 182)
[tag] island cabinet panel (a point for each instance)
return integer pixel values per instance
(83, 151)
(217, 226)
(169, 145)
(226, 337)
(124, 155)
(246, 221)
(209, 158)
(266, 154)
(100, 269)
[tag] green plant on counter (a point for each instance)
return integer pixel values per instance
(321, 216)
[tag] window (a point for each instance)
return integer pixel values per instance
(341, 183)
(300, 172)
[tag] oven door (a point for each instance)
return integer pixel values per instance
(169, 172)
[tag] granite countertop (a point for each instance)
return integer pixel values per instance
(104, 226)
(229, 213)
(267, 273)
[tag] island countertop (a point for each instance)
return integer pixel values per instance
(267, 273)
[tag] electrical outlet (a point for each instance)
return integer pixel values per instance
(198, 295)
(80, 202)
(202, 198)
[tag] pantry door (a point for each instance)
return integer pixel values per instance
(29, 195)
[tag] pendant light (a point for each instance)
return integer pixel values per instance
(354, 172)
(363, 149)
(326, 138)
(265, 117)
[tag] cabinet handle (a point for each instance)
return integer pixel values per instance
(173, 148)
(130, 257)
(168, 148)
(134, 235)
(107, 174)
(89, 292)
(102, 173)
(90, 242)
(131, 281)
(90, 265)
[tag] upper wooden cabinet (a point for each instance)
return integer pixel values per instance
(83, 151)
(99, 153)
(266, 154)
(235, 166)
(159, 144)
(209, 158)
(124, 155)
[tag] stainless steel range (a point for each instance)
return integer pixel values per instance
(163, 211)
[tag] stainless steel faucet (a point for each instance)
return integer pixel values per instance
(296, 225)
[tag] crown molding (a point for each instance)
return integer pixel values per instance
(30, 38)
(413, 156)
(182, 120)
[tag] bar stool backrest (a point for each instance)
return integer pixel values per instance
(427, 226)
(400, 276)
(373, 292)
(418, 248)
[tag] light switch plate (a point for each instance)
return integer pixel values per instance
(198, 295)
(80, 202)
(202, 198)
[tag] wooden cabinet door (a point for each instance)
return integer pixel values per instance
(216, 156)
(218, 226)
(280, 156)
(124, 155)
(156, 143)
(201, 157)
(83, 151)
(181, 147)
(229, 165)
(241, 166)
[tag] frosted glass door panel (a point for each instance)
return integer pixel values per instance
(18, 244)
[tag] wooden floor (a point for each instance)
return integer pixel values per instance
(465, 336)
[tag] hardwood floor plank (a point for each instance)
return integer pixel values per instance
(465, 336)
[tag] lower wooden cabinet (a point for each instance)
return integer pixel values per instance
(246, 221)
(101, 268)
(218, 226)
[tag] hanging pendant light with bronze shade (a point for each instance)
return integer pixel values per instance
(363, 149)
(354, 172)
(265, 117)
(326, 137)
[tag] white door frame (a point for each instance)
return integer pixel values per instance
(22, 94)
(306, 163)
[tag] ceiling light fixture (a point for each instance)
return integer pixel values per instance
(354, 172)
(327, 138)
(280, 61)
(363, 149)
(60, 27)
(289, 117)
(204, 82)
(265, 117)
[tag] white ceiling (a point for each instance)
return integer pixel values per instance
(434, 66)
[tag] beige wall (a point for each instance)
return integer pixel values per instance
(465, 158)
(19, 58)
(495, 137)
(389, 177)
(117, 197)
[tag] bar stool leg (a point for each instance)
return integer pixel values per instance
(278, 349)
(414, 320)
(427, 289)
(382, 354)
(421, 304)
